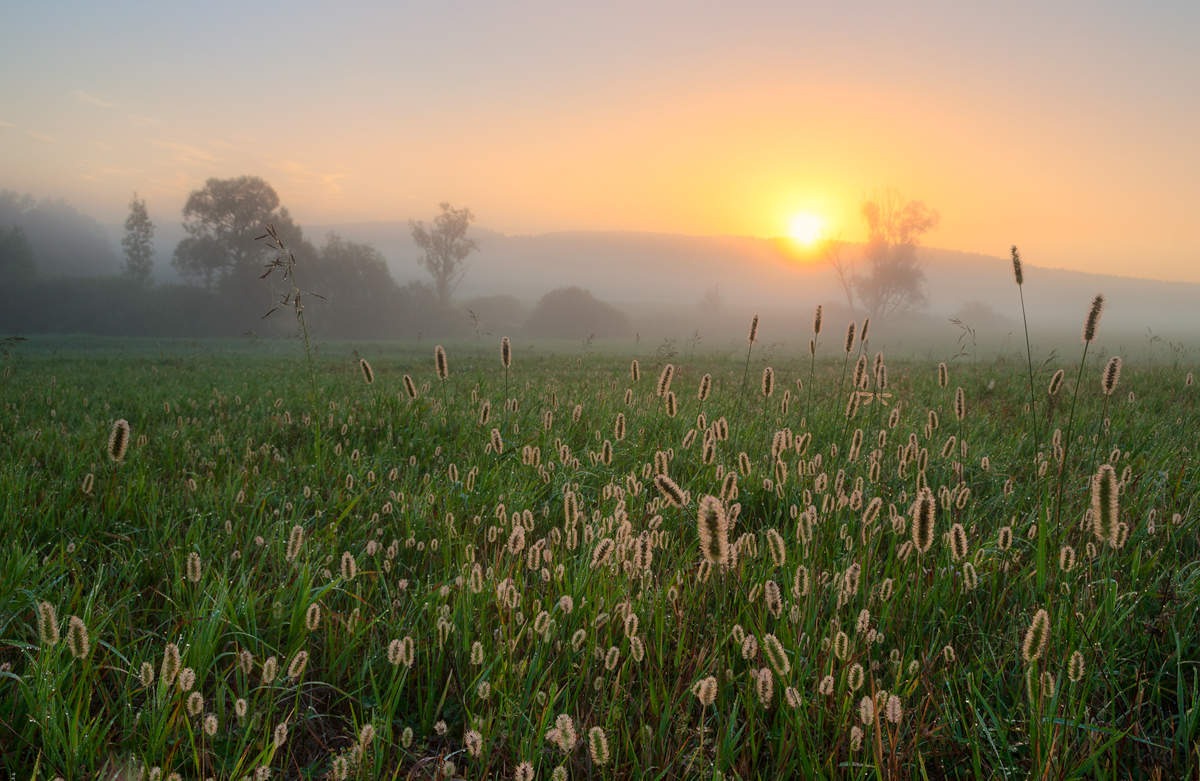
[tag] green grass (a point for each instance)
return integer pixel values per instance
(511, 629)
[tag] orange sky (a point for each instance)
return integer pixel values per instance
(1069, 133)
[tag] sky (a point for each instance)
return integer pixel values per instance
(1068, 128)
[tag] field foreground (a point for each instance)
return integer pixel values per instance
(561, 570)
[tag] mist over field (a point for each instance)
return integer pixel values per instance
(660, 288)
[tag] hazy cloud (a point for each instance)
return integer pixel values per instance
(91, 100)
(141, 120)
(330, 183)
(187, 154)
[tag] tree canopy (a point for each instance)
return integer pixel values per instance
(222, 221)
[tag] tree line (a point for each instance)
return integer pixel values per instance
(348, 289)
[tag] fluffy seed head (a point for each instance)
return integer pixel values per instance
(664, 381)
(367, 372)
(1037, 636)
(923, 517)
(669, 489)
(960, 403)
(705, 387)
(712, 525)
(1016, 261)
(943, 375)
(47, 624)
(1112, 375)
(850, 336)
(768, 382)
(1093, 318)
(1106, 505)
(439, 359)
(118, 440)
(635, 370)
(753, 330)
(817, 321)
(505, 352)
(776, 655)
(705, 690)
(410, 387)
(77, 637)
(598, 746)
(1055, 383)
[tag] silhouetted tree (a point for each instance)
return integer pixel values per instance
(16, 256)
(222, 221)
(574, 313)
(138, 242)
(444, 248)
(358, 289)
(893, 280)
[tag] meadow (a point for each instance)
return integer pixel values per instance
(224, 562)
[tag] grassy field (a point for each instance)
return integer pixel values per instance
(288, 573)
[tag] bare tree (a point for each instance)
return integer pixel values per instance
(893, 280)
(445, 247)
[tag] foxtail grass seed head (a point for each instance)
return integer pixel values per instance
(849, 337)
(368, 373)
(193, 567)
(705, 690)
(295, 542)
(753, 330)
(669, 489)
(705, 388)
(960, 403)
(1106, 506)
(1093, 319)
(47, 624)
(768, 382)
(1016, 261)
(943, 375)
(664, 381)
(1075, 667)
(635, 370)
(439, 359)
(563, 734)
(171, 664)
(817, 321)
(776, 655)
(1055, 383)
(410, 387)
(297, 665)
(1112, 375)
(1037, 636)
(77, 637)
(118, 440)
(598, 746)
(505, 352)
(923, 518)
(312, 617)
(712, 526)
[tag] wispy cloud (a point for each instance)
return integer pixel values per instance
(140, 120)
(44, 138)
(91, 100)
(187, 154)
(329, 183)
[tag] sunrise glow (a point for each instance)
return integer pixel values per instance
(806, 228)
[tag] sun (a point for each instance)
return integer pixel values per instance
(806, 228)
